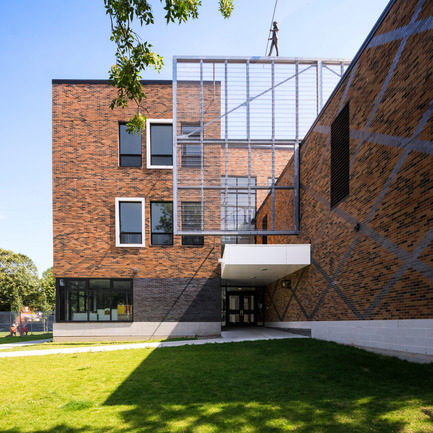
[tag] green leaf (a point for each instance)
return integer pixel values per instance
(132, 55)
(137, 124)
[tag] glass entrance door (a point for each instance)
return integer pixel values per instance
(241, 309)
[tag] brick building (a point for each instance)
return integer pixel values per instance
(146, 241)
(120, 270)
(366, 202)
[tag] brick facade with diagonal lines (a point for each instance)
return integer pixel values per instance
(372, 254)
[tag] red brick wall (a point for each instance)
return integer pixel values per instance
(384, 270)
(87, 178)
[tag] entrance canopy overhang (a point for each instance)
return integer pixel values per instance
(255, 265)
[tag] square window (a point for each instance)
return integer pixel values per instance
(192, 221)
(129, 147)
(161, 215)
(129, 222)
(190, 130)
(191, 155)
(159, 136)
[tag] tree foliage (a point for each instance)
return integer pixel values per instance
(19, 281)
(47, 298)
(134, 55)
(20, 285)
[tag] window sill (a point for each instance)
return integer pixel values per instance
(126, 166)
(160, 167)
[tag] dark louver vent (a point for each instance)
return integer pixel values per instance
(340, 157)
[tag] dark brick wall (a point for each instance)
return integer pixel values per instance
(177, 300)
(384, 270)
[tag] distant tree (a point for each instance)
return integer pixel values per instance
(134, 55)
(47, 289)
(19, 281)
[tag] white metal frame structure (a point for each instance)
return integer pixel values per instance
(250, 115)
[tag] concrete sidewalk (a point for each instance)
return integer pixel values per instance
(230, 336)
(23, 343)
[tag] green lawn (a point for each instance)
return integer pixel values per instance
(69, 345)
(5, 337)
(299, 385)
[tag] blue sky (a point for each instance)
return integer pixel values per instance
(46, 39)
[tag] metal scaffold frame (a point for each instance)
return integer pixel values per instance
(237, 121)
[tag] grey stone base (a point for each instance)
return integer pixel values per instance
(133, 331)
(395, 336)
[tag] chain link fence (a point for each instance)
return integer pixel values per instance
(26, 323)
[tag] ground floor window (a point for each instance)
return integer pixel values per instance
(94, 300)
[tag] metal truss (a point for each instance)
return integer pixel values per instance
(237, 121)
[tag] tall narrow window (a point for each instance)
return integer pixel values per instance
(161, 215)
(129, 222)
(265, 227)
(340, 157)
(129, 148)
(191, 151)
(191, 221)
(159, 137)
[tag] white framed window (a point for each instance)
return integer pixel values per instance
(129, 222)
(159, 143)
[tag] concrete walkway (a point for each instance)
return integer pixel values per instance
(23, 343)
(230, 336)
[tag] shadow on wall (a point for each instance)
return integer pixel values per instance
(177, 300)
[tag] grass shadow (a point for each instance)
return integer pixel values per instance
(297, 385)
(300, 385)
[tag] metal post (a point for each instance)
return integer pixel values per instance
(248, 136)
(297, 101)
(273, 143)
(201, 141)
(319, 86)
(226, 134)
(296, 157)
(174, 89)
(296, 190)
